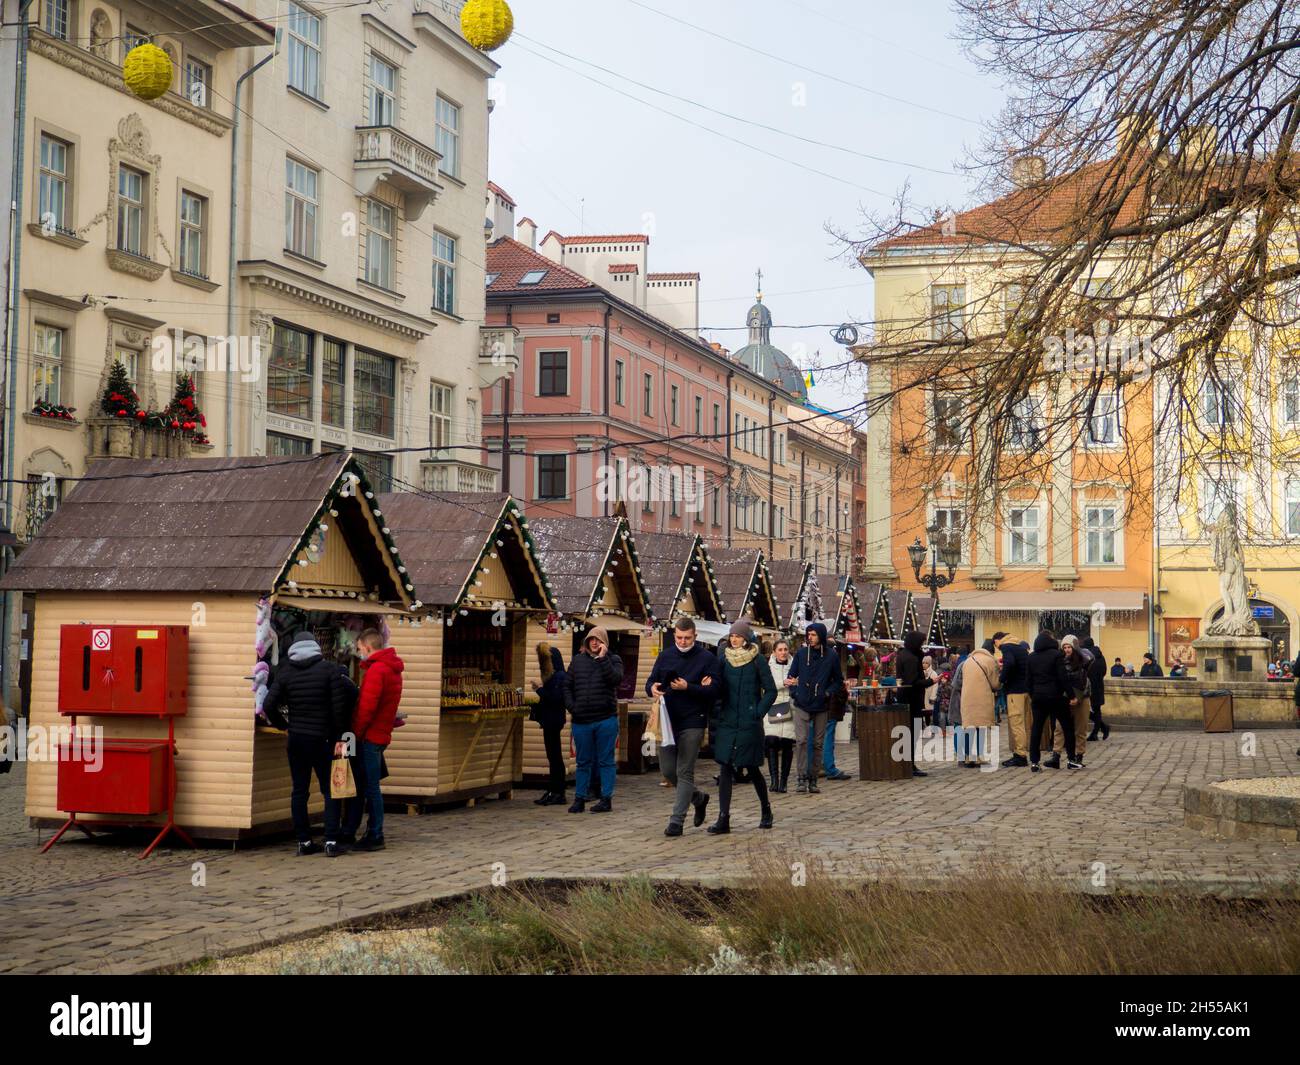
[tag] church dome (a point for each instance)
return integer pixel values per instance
(765, 359)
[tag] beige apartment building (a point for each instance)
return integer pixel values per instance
(361, 243)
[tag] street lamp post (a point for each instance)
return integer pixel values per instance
(944, 546)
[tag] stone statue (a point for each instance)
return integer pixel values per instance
(1237, 619)
(101, 33)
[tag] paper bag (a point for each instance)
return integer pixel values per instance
(342, 786)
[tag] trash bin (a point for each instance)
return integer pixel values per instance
(877, 742)
(1217, 708)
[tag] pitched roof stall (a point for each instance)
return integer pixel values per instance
(792, 583)
(745, 586)
(679, 577)
(593, 568)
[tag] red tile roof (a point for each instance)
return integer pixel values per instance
(680, 276)
(603, 238)
(510, 260)
(1040, 213)
(494, 187)
(625, 268)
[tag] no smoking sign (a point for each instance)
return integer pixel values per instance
(101, 639)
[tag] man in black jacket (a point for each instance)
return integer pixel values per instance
(319, 704)
(591, 697)
(1097, 682)
(688, 677)
(913, 681)
(814, 675)
(1050, 695)
(1015, 682)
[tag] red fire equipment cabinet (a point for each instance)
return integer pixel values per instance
(118, 671)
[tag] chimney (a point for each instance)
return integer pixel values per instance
(1200, 145)
(1134, 131)
(527, 232)
(1028, 170)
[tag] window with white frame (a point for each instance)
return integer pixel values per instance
(1026, 426)
(552, 476)
(130, 360)
(303, 49)
(947, 419)
(55, 20)
(380, 224)
(1024, 533)
(1101, 533)
(447, 137)
(47, 363)
(947, 311)
(132, 38)
(1290, 412)
(131, 217)
(383, 92)
(553, 373)
(193, 239)
(54, 204)
(444, 273)
(440, 396)
(1103, 423)
(301, 203)
(1217, 492)
(1221, 398)
(374, 393)
(1291, 497)
(197, 81)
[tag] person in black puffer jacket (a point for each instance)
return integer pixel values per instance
(913, 682)
(319, 703)
(549, 714)
(591, 695)
(1097, 682)
(1015, 682)
(1049, 695)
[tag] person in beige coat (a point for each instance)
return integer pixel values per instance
(979, 682)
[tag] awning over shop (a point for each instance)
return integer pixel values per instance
(1111, 599)
(711, 631)
(336, 604)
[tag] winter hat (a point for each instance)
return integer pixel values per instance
(1071, 640)
(741, 628)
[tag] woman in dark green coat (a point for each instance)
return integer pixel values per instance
(748, 694)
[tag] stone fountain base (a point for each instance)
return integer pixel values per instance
(1265, 808)
(1223, 659)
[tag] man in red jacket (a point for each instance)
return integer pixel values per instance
(372, 725)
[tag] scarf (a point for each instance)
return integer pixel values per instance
(741, 656)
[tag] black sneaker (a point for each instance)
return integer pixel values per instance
(1035, 768)
(308, 848)
(673, 829)
(701, 803)
(1054, 762)
(332, 849)
(839, 774)
(544, 799)
(371, 843)
(1016, 761)
(578, 806)
(1074, 763)
(602, 807)
(919, 772)
(557, 798)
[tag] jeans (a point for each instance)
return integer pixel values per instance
(366, 769)
(595, 742)
(677, 763)
(308, 755)
(551, 737)
(806, 754)
(828, 748)
(961, 742)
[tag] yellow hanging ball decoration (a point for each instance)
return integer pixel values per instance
(487, 24)
(147, 71)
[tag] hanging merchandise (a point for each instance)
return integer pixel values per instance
(147, 71)
(487, 24)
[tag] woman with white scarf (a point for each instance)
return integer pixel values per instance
(778, 725)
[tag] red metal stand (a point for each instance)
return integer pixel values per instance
(170, 780)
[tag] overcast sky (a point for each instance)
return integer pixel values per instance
(579, 156)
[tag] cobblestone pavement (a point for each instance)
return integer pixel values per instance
(93, 907)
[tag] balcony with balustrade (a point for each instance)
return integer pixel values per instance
(385, 153)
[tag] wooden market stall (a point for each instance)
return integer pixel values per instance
(902, 612)
(930, 621)
(241, 553)
(679, 578)
(873, 608)
(475, 568)
(595, 575)
(797, 594)
(745, 589)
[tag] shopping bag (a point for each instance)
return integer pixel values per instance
(342, 786)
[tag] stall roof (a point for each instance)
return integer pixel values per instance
(930, 621)
(577, 554)
(874, 609)
(902, 612)
(201, 525)
(791, 578)
(447, 535)
(666, 567)
(745, 586)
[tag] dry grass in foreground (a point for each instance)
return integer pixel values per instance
(990, 923)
